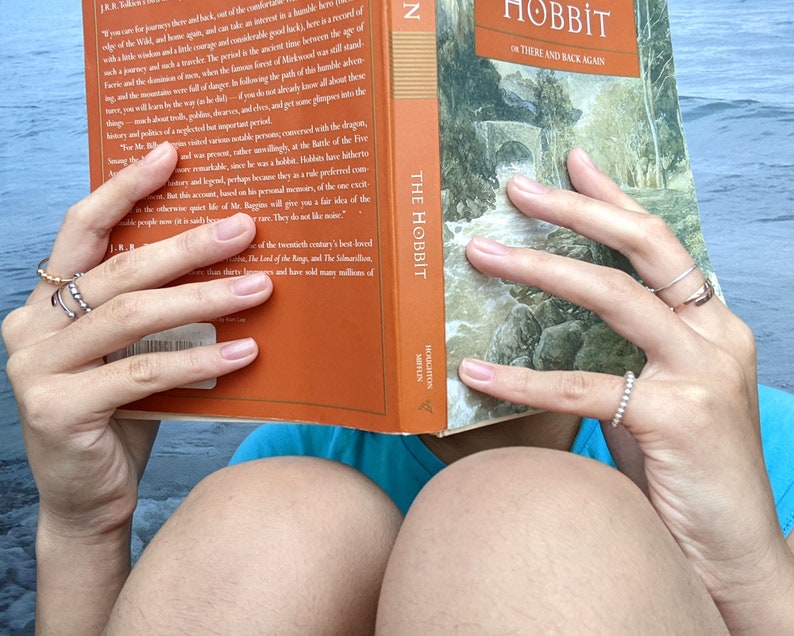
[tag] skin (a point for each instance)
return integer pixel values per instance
(690, 437)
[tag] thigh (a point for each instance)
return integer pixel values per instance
(281, 545)
(534, 541)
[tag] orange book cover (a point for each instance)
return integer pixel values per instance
(369, 140)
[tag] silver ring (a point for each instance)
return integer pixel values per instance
(677, 279)
(700, 297)
(624, 399)
(78, 297)
(57, 301)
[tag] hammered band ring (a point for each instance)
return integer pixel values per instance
(624, 399)
(704, 294)
(43, 274)
(677, 279)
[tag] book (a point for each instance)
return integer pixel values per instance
(370, 140)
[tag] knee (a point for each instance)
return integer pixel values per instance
(531, 486)
(313, 500)
(265, 544)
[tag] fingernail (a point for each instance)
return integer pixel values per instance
(156, 154)
(250, 284)
(239, 349)
(229, 228)
(489, 246)
(527, 185)
(585, 158)
(477, 370)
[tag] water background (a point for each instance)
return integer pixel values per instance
(734, 61)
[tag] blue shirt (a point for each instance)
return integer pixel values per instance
(401, 464)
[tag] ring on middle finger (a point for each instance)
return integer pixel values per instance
(57, 299)
(78, 297)
(677, 279)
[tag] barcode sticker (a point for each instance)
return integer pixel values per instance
(177, 339)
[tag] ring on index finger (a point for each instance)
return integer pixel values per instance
(44, 275)
(624, 399)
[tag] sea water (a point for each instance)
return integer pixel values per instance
(734, 61)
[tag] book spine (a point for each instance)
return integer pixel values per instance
(93, 105)
(417, 214)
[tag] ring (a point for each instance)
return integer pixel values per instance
(42, 273)
(624, 399)
(56, 300)
(677, 279)
(700, 297)
(78, 297)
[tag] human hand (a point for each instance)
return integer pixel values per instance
(85, 460)
(690, 433)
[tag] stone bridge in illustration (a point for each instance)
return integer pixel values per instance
(509, 141)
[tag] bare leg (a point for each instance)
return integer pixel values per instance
(526, 540)
(276, 546)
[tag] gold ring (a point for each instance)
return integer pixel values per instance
(49, 278)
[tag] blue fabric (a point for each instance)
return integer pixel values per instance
(402, 465)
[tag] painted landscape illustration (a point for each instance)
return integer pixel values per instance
(499, 119)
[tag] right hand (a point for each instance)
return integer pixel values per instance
(85, 460)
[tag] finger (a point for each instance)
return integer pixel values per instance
(127, 318)
(583, 393)
(82, 239)
(613, 295)
(591, 182)
(645, 239)
(153, 266)
(130, 379)
(587, 394)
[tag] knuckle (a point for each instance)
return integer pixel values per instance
(125, 308)
(574, 386)
(654, 229)
(122, 266)
(146, 371)
(17, 367)
(615, 288)
(15, 324)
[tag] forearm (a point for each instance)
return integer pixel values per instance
(766, 606)
(78, 579)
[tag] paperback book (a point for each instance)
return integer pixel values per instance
(370, 140)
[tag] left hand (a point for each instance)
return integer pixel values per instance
(690, 435)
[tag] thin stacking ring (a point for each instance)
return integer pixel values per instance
(44, 275)
(677, 279)
(57, 301)
(78, 297)
(624, 399)
(700, 297)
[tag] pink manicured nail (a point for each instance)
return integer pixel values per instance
(477, 370)
(489, 246)
(238, 349)
(156, 154)
(229, 228)
(527, 185)
(250, 284)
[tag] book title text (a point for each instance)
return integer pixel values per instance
(559, 16)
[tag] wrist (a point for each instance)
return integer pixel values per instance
(762, 604)
(79, 575)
